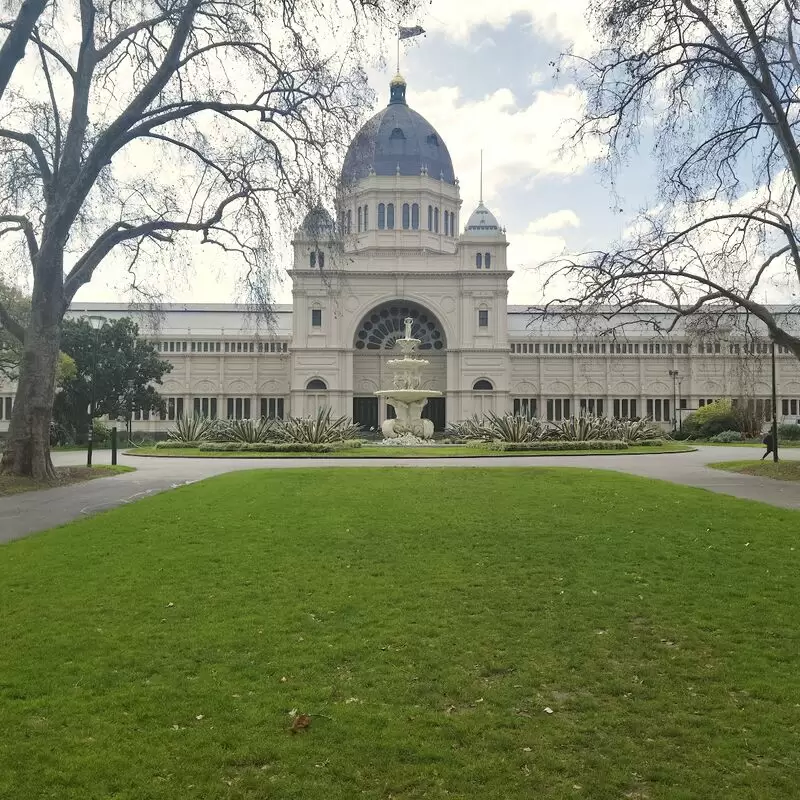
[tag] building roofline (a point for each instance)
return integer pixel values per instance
(236, 308)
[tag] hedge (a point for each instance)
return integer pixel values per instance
(170, 444)
(554, 446)
(279, 447)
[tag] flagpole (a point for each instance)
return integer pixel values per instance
(398, 49)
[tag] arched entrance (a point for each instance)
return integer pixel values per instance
(373, 343)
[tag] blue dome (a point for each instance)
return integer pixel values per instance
(397, 139)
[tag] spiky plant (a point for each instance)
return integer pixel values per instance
(512, 428)
(321, 429)
(191, 429)
(471, 428)
(637, 430)
(583, 429)
(246, 431)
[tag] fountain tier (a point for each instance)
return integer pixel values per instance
(407, 396)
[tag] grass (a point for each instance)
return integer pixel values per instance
(782, 471)
(425, 621)
(10, 484)
(438, 451)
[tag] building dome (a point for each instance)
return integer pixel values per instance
(318, 223)
(397, 141)
(483, 222)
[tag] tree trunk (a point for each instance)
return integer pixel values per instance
(27, 450)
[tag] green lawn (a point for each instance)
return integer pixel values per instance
(426, 620)
(782, 471)
(65, 476)
(437, 451)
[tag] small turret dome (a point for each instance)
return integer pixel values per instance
(318, 223)
(483, 222)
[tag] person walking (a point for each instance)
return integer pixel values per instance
(770, 443)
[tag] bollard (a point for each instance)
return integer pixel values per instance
(113, 446)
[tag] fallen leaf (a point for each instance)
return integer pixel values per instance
(300, 723)
(548, 710)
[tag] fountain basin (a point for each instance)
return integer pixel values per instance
(408, 395)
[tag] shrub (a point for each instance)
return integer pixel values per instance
(510, 428)
(472, 428)
(583, 429)
(789, 432)
(247, 431)
(637, 430)
(712, 419)
(279, 447)
(322, 429)
(552, 446)
(220, 447)
(189, 430)
(726, 437)
(171, 444)
(101, 433)
(649, 443)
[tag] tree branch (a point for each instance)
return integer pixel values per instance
(11, 325)
(13, 49)
(32, 143)
(25, 226)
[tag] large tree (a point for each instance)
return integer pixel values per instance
(110, 357)
(140, 124)
(711, 86)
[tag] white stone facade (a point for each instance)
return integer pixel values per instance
(398, 249)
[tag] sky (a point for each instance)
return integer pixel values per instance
(483, 76)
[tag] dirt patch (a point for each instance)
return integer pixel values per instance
(11, 484)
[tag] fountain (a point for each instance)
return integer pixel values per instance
(407, 396)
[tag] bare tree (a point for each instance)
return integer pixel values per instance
(20, 32)
(714, 86)
(142, 123)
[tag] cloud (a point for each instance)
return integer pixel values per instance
(532, 247)
(564, 21)
(565, 218)
(520, 143)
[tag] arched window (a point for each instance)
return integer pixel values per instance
(487, 260)
(366, 217)
(390, 216)
(406, 217)
(350, 221)
(478, 260)
(360, 219)
(483, 386)
(415, 216)
(381, 216)
(316, 385)
(436, 220)
(381, 329)
(430, 218)
(312, 258)
(321, 259)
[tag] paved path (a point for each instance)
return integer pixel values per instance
(30, 512)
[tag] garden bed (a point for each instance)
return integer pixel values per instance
(433, 451)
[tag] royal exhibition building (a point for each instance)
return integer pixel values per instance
(401, 248)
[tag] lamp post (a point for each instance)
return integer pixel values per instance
(774, 409)
(96, 323)
(673, 373)
(680, 402)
